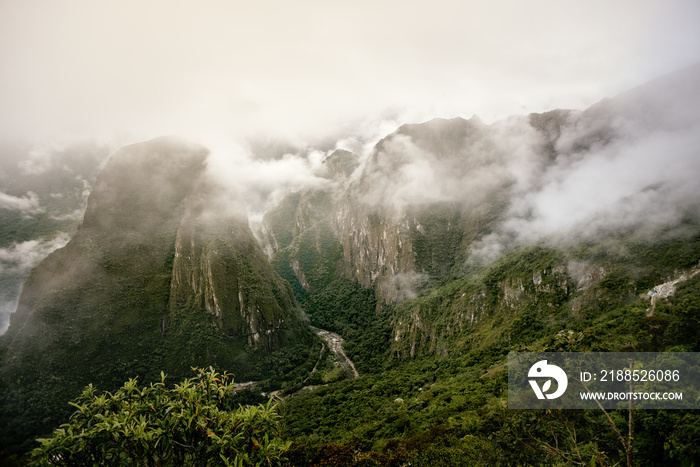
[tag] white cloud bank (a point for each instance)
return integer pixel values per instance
(28, 204)
(22, 257)
(15, 262)
(650, 182)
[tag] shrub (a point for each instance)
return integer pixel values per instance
(193, 423)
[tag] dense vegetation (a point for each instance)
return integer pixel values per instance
(449, 407)
(451, 410)
(433, 379)
(153, 282)
(193, 423)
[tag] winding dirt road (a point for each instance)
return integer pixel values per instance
(335, 343)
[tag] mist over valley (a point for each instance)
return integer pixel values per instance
(314, 238)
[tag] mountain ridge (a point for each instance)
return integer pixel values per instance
(450, 244)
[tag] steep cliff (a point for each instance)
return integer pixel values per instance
(163, 274)
(298, 235)
(469, 233)
(416, 205)
(219, 267)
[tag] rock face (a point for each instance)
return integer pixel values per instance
(298, 234)
(153, 221)
(430, 199)
(163, 274)
(413, 209)
(219, 267)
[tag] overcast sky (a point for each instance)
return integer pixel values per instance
(223, 72)
(302, 69)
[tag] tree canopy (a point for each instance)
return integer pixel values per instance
(193, 423)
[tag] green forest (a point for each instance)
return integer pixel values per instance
(451, 409)
(346, 331)
(435, 408)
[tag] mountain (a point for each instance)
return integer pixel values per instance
(424, 195)
(429, 192)
(535, 233)
(450, 244)
(163, 274)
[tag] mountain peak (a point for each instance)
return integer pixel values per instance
(341, 164)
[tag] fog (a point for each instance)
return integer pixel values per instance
(628, 162)
(468, 165)
(644, 187)
(15, 263)
(632, 162)
(272, 88)
(651, 181)
(261, 183)
(312, 77)
(21, 257)
(28, 203)
(303, 71)
(43, 193)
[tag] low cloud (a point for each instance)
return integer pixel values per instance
(261, 183)
(68, 152)
(7, 307)
(74, 215)
(80, 193)
(16, 262)
(22, 257)
(488, 249)
(402, 286)
(459, 161)
(630, 163)
(35, 165)
(27, 204)
(647, 183)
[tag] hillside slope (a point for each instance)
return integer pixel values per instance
(157, 278)
(537, 233)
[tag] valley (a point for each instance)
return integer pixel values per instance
(334, 343)
(377, 302)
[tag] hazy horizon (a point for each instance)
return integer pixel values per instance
(303, 72)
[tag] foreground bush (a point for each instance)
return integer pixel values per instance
(194, 423)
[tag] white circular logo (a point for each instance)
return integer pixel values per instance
(542, 370)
